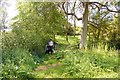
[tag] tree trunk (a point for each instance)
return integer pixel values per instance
(84, 29)
(67, 25)
(54, 37)
(118, 24)
(98, 34)
(89, 36)
(74, 26)
(67, 37)
(74, 23)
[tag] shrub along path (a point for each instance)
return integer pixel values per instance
(49, 68)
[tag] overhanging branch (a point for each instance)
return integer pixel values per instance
(93, 24)
(97, 6)
(104, 16)
(106, 7)
(73, 14)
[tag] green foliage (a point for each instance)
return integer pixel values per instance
(88, 64)
(97, 62)
(94, 62)
(70, 30)
(36, 24)
(17, 62)
(114, 38)
(59, 55)
(103, 29)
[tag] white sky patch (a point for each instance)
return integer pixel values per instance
(12, 11)
(78, 23)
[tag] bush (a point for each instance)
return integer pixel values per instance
(89, 64)
(28, 40)
(16, 62)
(115, 43)
(69, 30)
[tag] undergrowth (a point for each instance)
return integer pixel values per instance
(96, 62)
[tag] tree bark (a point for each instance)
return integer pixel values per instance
(67, 25)
(84, 29)
(118, 24)
(74, 26)
(54, 37)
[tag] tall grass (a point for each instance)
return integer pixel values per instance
(17, 64)
(91, 63)
(96, 61)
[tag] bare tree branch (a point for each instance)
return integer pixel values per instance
(74, 5)
(93, 24)
(104, 16)
(92, 6)
(97, 6)
(106, 7)
(73, 14)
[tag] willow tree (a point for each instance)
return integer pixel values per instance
(83, 8)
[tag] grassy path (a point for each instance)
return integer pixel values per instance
(83, 64)
(49, 69)
(46, 67)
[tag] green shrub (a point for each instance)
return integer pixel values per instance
(27, 40)
(89, 64)
(15, 62)
(69, 30)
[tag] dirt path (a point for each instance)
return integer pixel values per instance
(46, 67)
